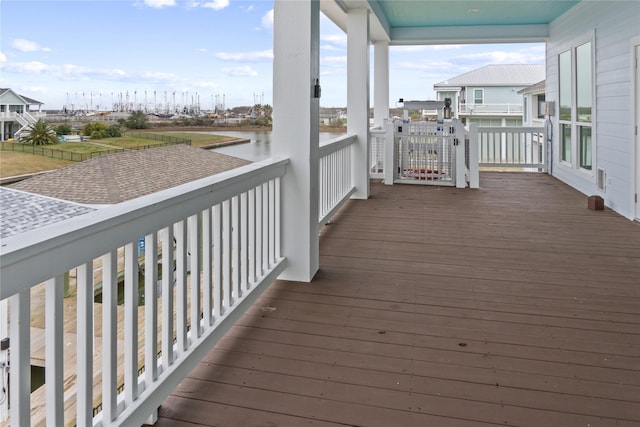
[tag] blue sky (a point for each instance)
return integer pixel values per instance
(87, 52)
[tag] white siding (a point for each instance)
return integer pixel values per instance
(497, 94)
(612, 24)
(9, 98)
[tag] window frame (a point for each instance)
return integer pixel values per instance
(481, 96)
(574, 158)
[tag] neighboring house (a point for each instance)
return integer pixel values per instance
(534, 106)
(489, 96)
(16, 113)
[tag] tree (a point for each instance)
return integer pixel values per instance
(137, 120)
(40, 133)
(89, 128)
(63, 130)
(113, 131)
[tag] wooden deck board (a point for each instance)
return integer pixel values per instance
(509, 305)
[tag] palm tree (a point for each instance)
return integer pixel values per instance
(40, 133)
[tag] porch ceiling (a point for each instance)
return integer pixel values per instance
(468, 21)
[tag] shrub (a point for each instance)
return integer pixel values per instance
(98, 134)
(63, 130)
(89, 128)
(137, 120)
(113, 131)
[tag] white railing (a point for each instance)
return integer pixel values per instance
(469, 109)
(211, 247)
(520, 147)
(335, 176)
(377, 137)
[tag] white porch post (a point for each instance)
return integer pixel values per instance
(380, 82)
(296, 48)
(358, 97)
(4, 354)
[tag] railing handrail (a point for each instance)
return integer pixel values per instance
(34, 256)
(510, 128)
(336, 144)
(524, 147)
(506, 107)
(335, 180)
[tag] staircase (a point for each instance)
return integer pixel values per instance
(26, 120)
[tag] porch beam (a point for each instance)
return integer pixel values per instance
(471, 34)
(358, 97)
(296, 71)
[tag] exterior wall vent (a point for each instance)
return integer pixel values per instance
(601, 177)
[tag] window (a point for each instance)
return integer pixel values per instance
(575, 99)
(542, 106)
(478, 96)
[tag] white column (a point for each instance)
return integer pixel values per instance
(4, 357)
(296, 48)
(358, 97)
(380, 82)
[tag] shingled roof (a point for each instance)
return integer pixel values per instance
(23, 212)
(497, 75)
(114, 178)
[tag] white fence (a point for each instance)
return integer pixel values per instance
(211, 247)
(430, 153)
(335, 176)
(487, 109)
(377, 137)
(513, 147)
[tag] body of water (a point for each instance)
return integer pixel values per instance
(259, 147)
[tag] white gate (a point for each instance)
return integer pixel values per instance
(425, 153)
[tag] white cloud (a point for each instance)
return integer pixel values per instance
(502, 57)
(216, 4)
(329, 47)
(160, 77)
(267, 20)
(207, 85)
(247, 9)
(335, 39)
(244, 71)
(3, 58)
(246, 56)
(424, 66)
(28, 46)
(27, 67)
(158, 4)
(334, 60)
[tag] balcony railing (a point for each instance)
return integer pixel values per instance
(377, 137)
(211, 247)
(513, 147)
(335, 176)
(490, 109)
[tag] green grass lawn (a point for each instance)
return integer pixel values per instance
(13, 163)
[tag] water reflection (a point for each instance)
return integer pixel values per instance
(260, 146)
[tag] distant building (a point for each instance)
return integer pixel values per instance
(489, 96)
(16, 113)
(533, 104)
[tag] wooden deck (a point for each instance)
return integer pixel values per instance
(511, 305)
